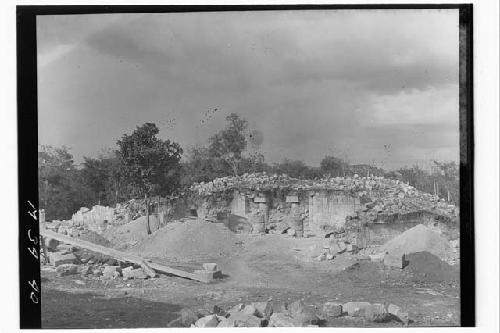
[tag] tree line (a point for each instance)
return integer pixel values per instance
(142, 165)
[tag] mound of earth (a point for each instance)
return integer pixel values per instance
(418, 239)
(362, 271)
(192, 240)
(426, 267)
(94, 237)
(132, 233)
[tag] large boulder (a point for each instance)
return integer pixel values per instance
(242, 319)
(303, 314)
(279, 319)
(57, 259)
(131, 273)
(208, 321)
(225, 322)
(66, 269)
(356, 309)
(51, 244)
(376, 313)
(264, 309)
(111, 272)
(332, 309)
(398, 313)
(188, 317)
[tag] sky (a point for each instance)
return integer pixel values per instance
(370, 86)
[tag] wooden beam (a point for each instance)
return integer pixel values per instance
(122, 256)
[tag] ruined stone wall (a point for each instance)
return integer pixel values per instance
(320, 212)
(328, 211)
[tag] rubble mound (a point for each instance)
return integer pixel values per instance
(94, 237)
(426, 267)
(130, 234)
(189, 241)
(418, 239)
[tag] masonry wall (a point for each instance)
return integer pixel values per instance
(328, 211)
(321, 211)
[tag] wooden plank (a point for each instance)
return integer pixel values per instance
(122, 256)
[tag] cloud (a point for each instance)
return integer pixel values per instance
(412, 107)
(309, 81)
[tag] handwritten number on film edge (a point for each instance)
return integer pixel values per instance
(34, 286)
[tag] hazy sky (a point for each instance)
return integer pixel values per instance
(378, 86)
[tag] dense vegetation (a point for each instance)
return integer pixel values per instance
(143, 165)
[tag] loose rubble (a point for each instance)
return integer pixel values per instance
(296, 314)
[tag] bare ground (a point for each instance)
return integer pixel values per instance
(266, 267)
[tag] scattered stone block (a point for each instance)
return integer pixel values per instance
(86, 270)
(217, 310)
(51, 244)
(111, 272)
(351, 248)
(66, 269)
(279, 319)
(330, 256)
(332, 309)
(236, 308)
(291, 232)
(208, 321)
(188, 317)
(397, 312)
(212, 267)
(321, 257)
(395, 260)
(208, 276)
(250, 310)
(264, 309)
(376, 257)
(342, 246)
(57, 259)
(302, 314)
(355, 309)
(225, 322)
(137, 273)
(242, 319)
(376, 313)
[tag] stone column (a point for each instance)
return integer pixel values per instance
(263, 208)
(298, 223)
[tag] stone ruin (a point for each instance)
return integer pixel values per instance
(372, 208)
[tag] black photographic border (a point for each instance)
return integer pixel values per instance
(27, 134)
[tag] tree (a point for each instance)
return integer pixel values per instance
(332, 165)
(201, 166)
(60, 186)
(101, 176)
(229, 143)
(149, 165)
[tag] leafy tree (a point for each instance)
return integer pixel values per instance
(229, 143)
(101, 175)
(60, 186)
(332, 165)
(149, 165)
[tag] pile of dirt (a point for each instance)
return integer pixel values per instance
(362, 271)
(94, 237)
(426, 267)
(130, 234)
(418, 239)
(189, 241)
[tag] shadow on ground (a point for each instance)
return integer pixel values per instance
(89, 310)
